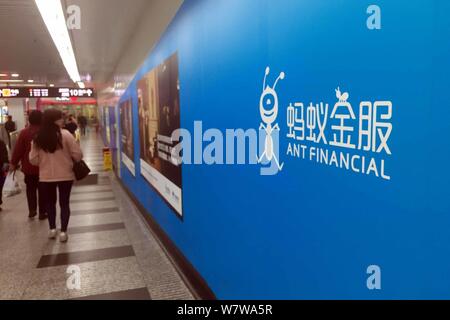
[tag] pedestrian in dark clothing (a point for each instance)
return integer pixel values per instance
(10, 126)
(20, 154)
(83, 123)
(4, 163)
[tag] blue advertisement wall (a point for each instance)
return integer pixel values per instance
(314, 229)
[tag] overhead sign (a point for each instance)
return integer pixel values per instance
(45, 92)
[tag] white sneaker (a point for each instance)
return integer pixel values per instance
(52, 234)
(63, 237)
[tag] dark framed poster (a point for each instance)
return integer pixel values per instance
(159, 115)
(126, 126)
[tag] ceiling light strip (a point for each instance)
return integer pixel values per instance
(10, 80)
(53, 15)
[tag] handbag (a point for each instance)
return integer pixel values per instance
(81, 170)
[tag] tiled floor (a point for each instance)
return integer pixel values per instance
(109, 243)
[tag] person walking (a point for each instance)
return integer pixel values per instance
(4, 164)
(83, 123)
(55, 150)
(20, 155)
(10, 127)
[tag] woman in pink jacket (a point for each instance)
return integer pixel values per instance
(54, 150)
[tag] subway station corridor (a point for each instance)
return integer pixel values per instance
(117, 255)
(239, 151)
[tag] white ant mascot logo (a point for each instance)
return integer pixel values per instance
(268, 108)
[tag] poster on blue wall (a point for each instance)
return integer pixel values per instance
(126, 123)
(159, 115)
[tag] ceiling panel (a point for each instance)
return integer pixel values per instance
(106, 28)
(26, 46)
(107, 34)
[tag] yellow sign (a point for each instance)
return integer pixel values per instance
(107, 159)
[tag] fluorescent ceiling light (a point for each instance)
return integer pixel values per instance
(30, 81)
(3, 74)
(11, 80)
(15, 75)
(52, 85)
(34, 85)
(53, 15)
(108, 90)
(81, 85)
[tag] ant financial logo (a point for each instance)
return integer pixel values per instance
(337, 136)
(353, 135)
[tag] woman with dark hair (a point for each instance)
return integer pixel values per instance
(54, 150)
